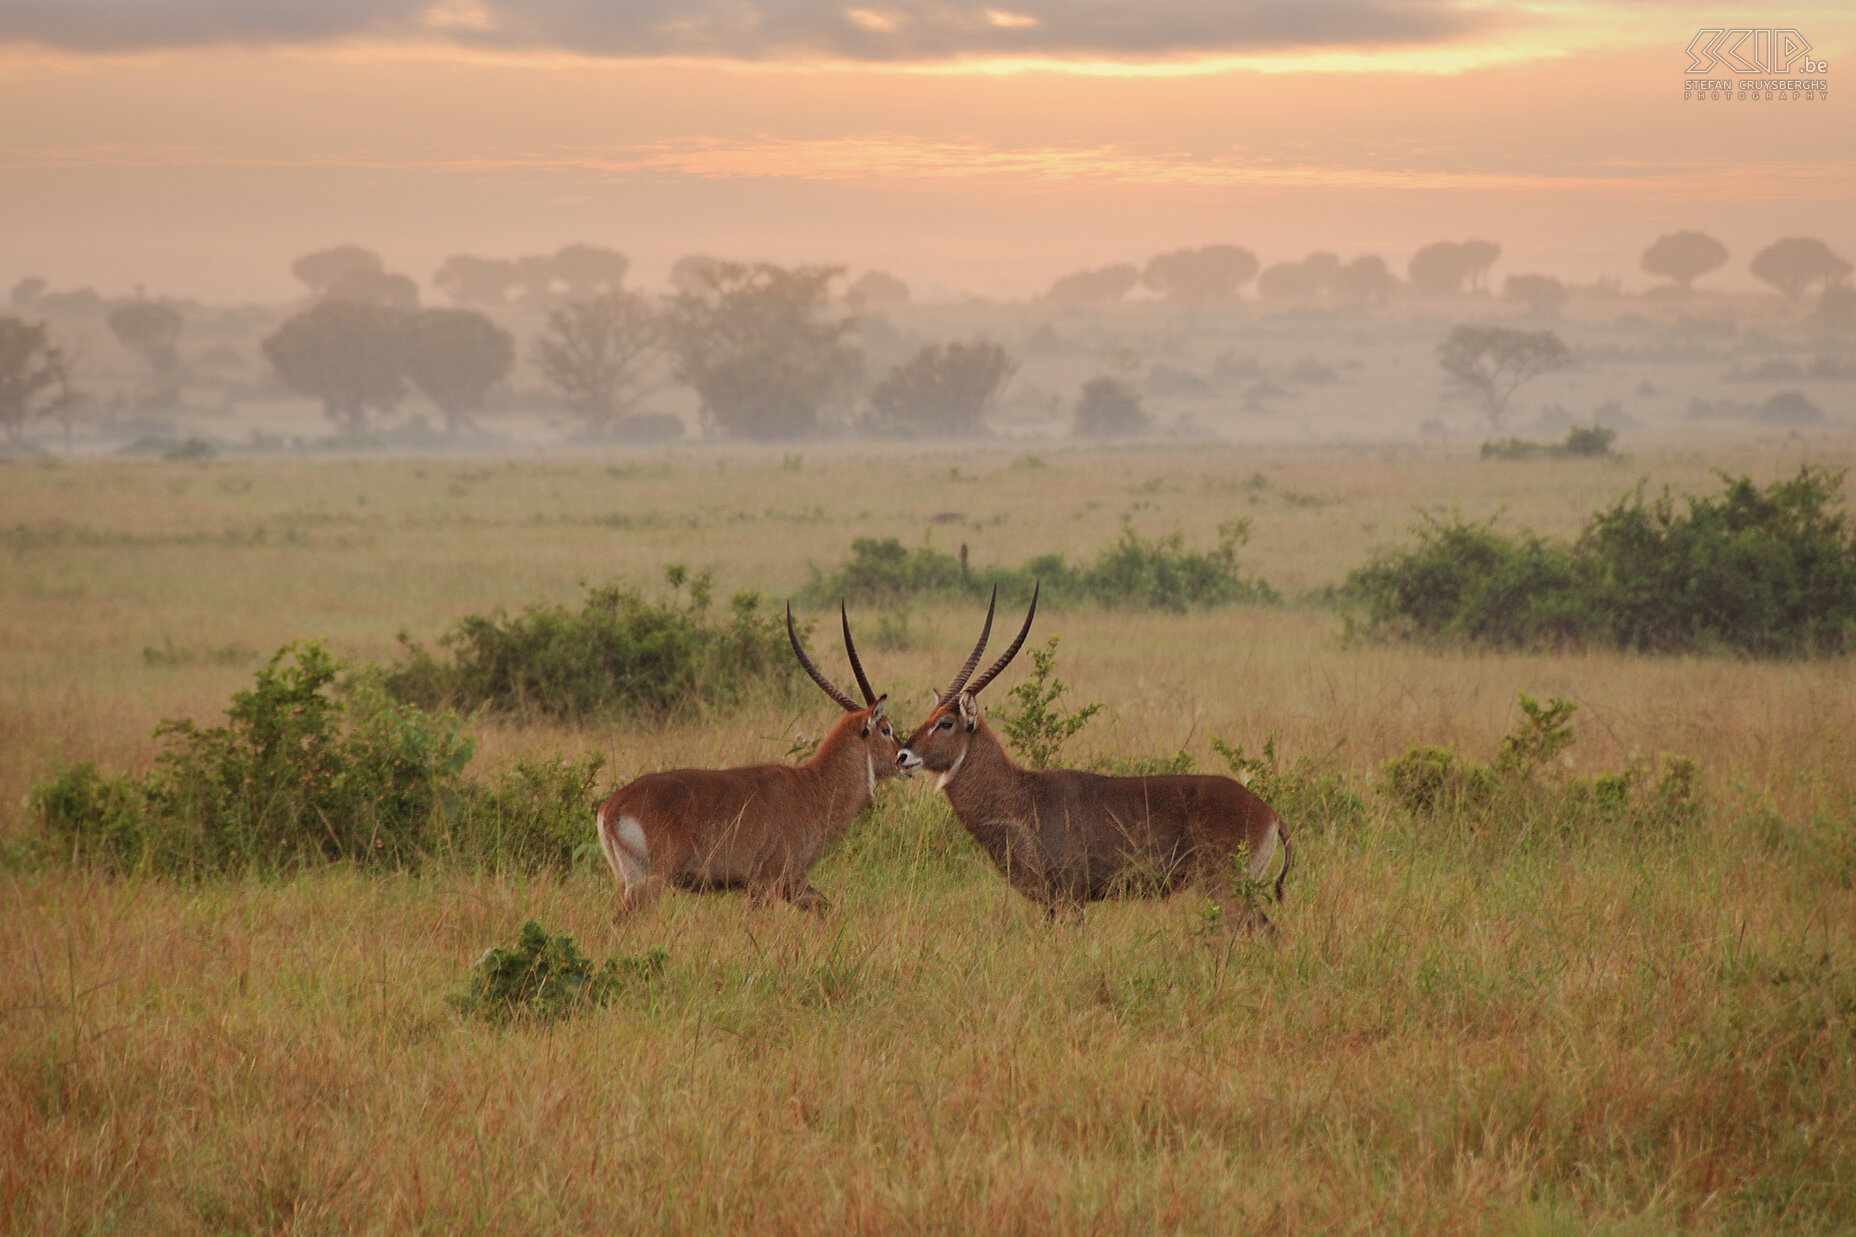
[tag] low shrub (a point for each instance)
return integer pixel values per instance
(1582, 442)
(1132, 572)
(299, 775)
(1527, 786)
(1765, 573)
(534, 814)
(294, 776)
(619, 654)
(543, 978)
(1036, 725)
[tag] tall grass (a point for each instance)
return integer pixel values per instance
(1470, 1023)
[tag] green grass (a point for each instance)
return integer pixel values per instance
(1461, 1028)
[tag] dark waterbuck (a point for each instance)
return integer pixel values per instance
(1064, 837)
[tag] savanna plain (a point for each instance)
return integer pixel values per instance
(1460, 1027)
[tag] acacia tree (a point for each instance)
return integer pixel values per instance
(33, 375)
(874, 289)
(1491, 362)
(601, 355)
(755, 345)
(1684, 257)
(1108, 408)
(1441, 268)
(1366, 280)
(1094, 287)
(349, 355)
(454, 356)
(383, 288)
(151, 331)
(1210, 273)
(327, 267)
(1795, 263)
(941, 392)
(1542, 294)
(476, 281)
(587, 271)
(1315, 276)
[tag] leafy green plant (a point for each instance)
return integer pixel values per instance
(1310, 790)
(534, 814)
(1527, 787)
(1766, 573)
(1132, 572)
(1587, 441)
(1545, 730)
(300, 774)
(1582, 442)
(543, 978)
(294, 775)
(619, 654)
(1038, 727)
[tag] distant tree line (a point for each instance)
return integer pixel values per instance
(1215, 273)
(764, 352)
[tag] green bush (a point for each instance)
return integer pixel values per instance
(534, 814)
(299, 775)
(1766, 573)
(543, 978)
(1582, 442)
(294, 776)
(93, 817)
(619, 654)
(1527, 787)
(1132, 572)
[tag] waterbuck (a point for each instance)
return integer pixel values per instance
(1065, 837)
(760, 827)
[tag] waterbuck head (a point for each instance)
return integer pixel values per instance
(865, 724)
(940, 743)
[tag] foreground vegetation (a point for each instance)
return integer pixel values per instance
(1523, 984)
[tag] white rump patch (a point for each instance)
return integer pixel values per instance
(626, 850)
(1260, 862)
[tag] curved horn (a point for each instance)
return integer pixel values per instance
(850, 706)
(850, 648)
(960, 680)
(992, 671)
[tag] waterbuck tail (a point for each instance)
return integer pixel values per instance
(1282, 834)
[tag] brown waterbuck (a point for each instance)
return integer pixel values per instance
(760, 827)
(1065, 837)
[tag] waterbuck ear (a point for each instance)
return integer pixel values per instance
(969, 710)
(880, 709)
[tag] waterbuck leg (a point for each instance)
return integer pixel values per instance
(637, 896)
(808, 899)
(1237, 898)
(795, 891)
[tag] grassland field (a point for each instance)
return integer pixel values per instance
(1454, 1033)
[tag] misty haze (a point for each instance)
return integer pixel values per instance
(926, 617)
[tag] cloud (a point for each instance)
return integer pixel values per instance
(752, 30)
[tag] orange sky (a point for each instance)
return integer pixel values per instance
(201, 168)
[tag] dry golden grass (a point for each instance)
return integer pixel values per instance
(1457, 1032)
